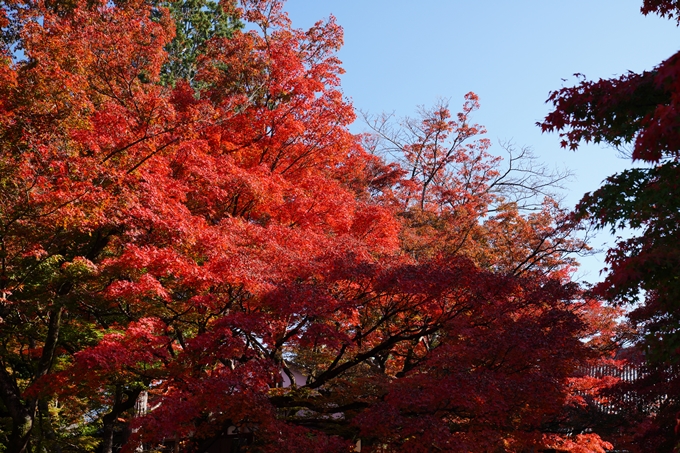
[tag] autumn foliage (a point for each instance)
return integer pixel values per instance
(200, 235)
(639, 114)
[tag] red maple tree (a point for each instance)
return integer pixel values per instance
(198, 241)
(637, 112)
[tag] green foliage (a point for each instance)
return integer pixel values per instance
(196, 21)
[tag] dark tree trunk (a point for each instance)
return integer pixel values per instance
(119, 406)
(46, 426)
(23, 412)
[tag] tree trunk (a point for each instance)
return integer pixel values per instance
(22, 416)
(119, 406)
(46, 426)
(23, 412)
(21, 434)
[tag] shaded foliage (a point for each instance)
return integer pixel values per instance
(638, 110)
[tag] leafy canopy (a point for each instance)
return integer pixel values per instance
(642, 112)
(185, 219)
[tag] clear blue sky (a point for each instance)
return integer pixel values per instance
(399, 54)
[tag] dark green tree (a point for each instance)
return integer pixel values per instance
(196, 21)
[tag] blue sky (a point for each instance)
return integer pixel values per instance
(399, 54)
